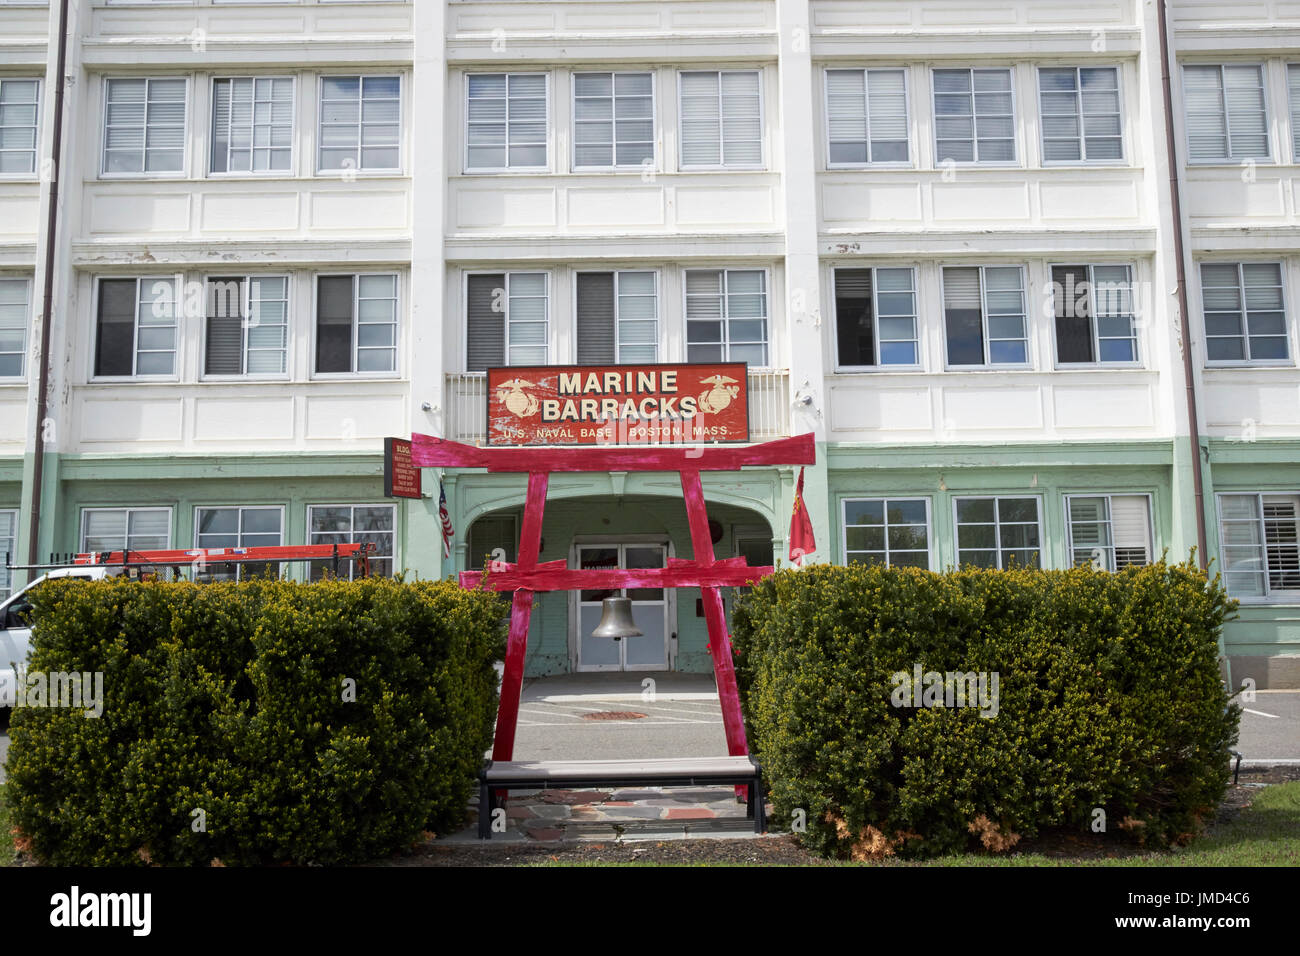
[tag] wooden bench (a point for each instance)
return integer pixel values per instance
(565, 774)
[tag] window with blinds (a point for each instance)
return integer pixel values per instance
(984, 315)
(136, 326)
(617, 318)
(19, 121)
(1226, 114)
(247, 330)
(1079, 114)
(1109, 532)
(360, 123)
(129, 529)
(721, 116)
(974, 116)
(613, 119)
(875, 317)
(1293, 88)
(507, 320)
(252, 124)
(1245, 312)
(1259, 536)
(15, 312)
(144, 125)
(1094, 314)
(506, 121)
(356, 323)
(866, 117)
(726, 316)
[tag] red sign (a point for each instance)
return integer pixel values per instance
(401, 477)
(617, 404)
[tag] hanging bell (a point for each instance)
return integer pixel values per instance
(616, 619)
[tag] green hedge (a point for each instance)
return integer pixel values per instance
(1109, 696)
(231, 699)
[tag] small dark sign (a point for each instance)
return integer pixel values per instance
(401, 477)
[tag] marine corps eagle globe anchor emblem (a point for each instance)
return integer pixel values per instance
(720, 396)
(512, 395)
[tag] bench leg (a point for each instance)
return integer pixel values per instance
(484, 811)
(758, 804)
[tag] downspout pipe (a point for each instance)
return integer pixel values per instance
(47, 298)
(1176, 208)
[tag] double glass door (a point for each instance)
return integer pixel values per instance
(649, 611)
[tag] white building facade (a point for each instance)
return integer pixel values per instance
(942, 236)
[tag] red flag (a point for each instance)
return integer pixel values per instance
(801, 529)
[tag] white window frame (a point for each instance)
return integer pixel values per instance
(840, 366)
(505, 345)
(468, 167)
(293, 129)
(9, 547)
(844, 526)
(360, 169)
(1016, 161)
(246, 283)
(26, 328)
(871, 163)
(238, 568)
(36, 145)
(618, 341)
(997, 527)
(1289, 361)
(725, 318)
(1109, 521)
(354, 373)
(722, 152)
(181, 173)
(1134, 316)
(1228, 160)
(178, 307)
(352, 518)
(654, 120)
(984, 317)
(1270, 596)
(127, 511)
(1083, 160)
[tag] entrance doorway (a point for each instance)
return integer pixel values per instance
(652, 608)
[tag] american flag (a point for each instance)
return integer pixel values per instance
(447, 532)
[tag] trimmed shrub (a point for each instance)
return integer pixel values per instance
(323, 723)
(1108, 696)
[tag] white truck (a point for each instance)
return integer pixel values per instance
(16, 627)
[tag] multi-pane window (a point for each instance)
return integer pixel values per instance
(613, 119)
(1293, 86)
(506, 116)
(974, 116)
(136, 326)
(252, 124)
(1226, 114)
(353, 524)
(1079, 114)
(875, 317)
(998, 532)
(721, 118)
(1245, 312)
(360, 123)
(617, 317)
(125, 529)
(984, 315)
(492, 538)
(506, 320)
(1094, 314)
(19, 116)
(891, 531)
(247, 326)
(260, 527)
(356, 323)
(15, 305)
(144, 125)
(1260, 538)
(8, 552)
(1109, 532)
(726, 316)
(866, 116)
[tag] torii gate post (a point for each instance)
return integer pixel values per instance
(527, 576)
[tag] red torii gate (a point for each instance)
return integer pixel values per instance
(528, 576)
